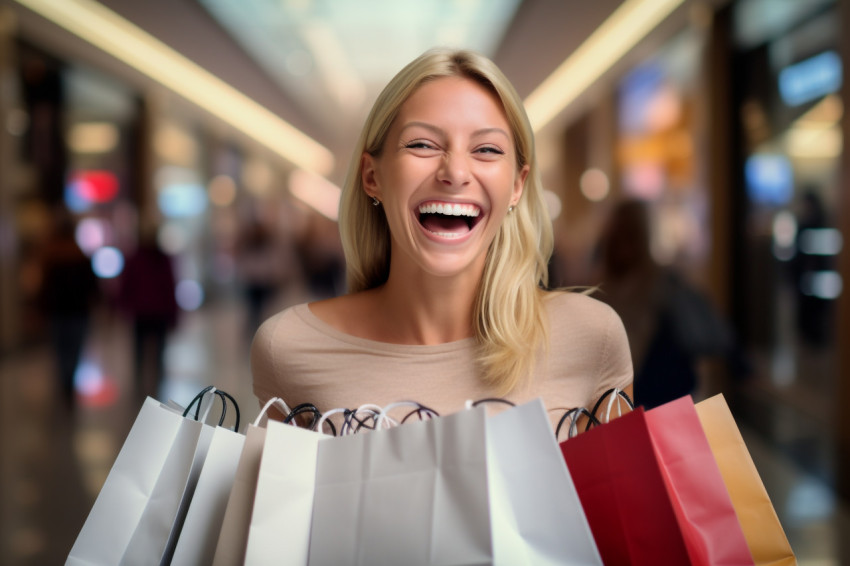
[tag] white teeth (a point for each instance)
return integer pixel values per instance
(448, 235)
(450, 209)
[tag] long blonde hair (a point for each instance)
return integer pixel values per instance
(509, 321)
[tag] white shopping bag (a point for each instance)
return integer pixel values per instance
(156, 535)
(416, 494)
(197, 539)
(537, 517)
(233, 535)
(143, 489)
(279, 532)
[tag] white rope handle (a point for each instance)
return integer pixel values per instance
(572, 432)
(383, 416)
(326, 415)
(273, 402)
(615, 396)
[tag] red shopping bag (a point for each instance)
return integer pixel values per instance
(713, 535)
(622, 489)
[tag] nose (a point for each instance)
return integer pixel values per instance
(454, 170)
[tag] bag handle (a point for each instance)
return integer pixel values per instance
(573, 415)
(199, 399)
(276, 402)
(431, 413)
(324, 419)
(223, 397)
(305, 408)
(370, 411)
(470, 403)
(614, 394)
(419, 408)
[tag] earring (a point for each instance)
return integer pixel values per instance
(375, 201)
(510, 209)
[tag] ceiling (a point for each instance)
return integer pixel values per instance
(317, 65)
(333, 57)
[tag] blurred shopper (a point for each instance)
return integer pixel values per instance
(67, 292)
(670, 325)
(259, 267)
(147, 297)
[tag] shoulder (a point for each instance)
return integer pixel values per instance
(284, 321)
(581, 323)
(578, 308)
(587, 342)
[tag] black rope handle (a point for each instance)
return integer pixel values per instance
(224, 395)
(492, 400)
(350, 417)
(573, 414)
(312, 409)
(422, 409)
(199, 400)
(300, 410)
(620, 393)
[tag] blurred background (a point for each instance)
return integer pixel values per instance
(170, 172)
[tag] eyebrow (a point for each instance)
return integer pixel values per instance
(440, 131)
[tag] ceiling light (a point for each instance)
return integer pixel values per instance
(125, 41)
(318, 192)
(623, 29)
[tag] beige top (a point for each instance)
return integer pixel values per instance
(299, 358)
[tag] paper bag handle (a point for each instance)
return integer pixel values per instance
(614, 393)
(199, 399)
(573, 415)
(305, 408)
(274, 401)
(383, 416)
(324, 419)
(223, 396)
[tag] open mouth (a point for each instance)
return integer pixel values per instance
(448, 220)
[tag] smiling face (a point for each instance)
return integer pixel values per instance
(446, 175)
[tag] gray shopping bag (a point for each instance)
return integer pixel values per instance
(537, 517)
(200, 531)
(155, 460)
(233, 535)
(279, 532)
(415, 494)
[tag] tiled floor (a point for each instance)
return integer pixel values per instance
(54, 460)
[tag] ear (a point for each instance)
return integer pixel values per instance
(519, 184)
(368, 176)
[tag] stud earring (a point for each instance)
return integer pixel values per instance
(510, 209)
(375, 201)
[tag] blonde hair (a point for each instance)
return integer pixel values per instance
(509, 321)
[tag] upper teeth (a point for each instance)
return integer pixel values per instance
(449, 209)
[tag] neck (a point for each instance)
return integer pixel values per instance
(429, 310)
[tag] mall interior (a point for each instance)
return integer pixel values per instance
(210, 138)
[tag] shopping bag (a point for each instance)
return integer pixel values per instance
(233, 534)
(414, 494)
(279, 531)
(710, 526)
(197, 538)
(761, 527)
(621, 487)
(133, 515)
(156, 535)
(537, 517)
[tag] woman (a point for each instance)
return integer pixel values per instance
(447, 239)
